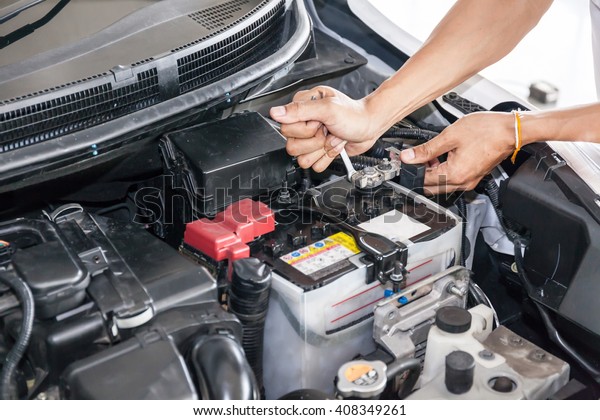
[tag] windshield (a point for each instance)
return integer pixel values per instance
(61, 23)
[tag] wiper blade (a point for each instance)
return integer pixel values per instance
(18, 10)
(29, 28)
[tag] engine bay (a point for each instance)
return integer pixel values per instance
(203, 262)
(235, 274)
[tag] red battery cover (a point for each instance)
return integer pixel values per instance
(227, 235)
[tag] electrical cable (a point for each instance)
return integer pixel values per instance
(410, 133)
(13, 358)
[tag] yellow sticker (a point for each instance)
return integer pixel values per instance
(346, 240)
(322, 254)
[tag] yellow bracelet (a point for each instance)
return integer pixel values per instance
(518, 138)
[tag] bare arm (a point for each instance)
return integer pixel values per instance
(473, 35)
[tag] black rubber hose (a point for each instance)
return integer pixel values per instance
(358, 162)
(13, 358)
(249, 301)
(553, 333)
(461, 206)
(378, 150)
(431, 127)
(222, 371)
(413, 366)
(410, 133)
(361, 162)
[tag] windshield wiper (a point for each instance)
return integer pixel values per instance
(29, 28)
(18, 10)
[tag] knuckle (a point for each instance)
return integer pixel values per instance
(425, 151)
(304, 162)
(312, 129)
(319, 167)
(291, 147)
(285, 130)
(300, 95)
(460, 179)
(331, 153)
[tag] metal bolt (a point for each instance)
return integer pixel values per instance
(369, 170)
(457, 291)
(487, 355)
(392, 315)
(516, 341)
(538, 355)
(385, 165)
(397, 275)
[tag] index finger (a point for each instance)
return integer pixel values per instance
(302, 111)
(301, 130)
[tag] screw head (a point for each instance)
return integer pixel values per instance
(516, 341)
(538, 355)
(487, 354)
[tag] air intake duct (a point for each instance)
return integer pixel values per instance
(249, 301)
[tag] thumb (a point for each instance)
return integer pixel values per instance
(301, 112)
(427, 151)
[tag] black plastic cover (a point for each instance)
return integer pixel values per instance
(558, 213)
(133, 271)
(56, 276)
(222, 371)
(224, 161)
(122, 372)
(413, 177)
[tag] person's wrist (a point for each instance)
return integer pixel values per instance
(509, 129)
(374, 125)
(533, 127)
(379, 113)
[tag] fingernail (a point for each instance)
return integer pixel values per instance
(407, 154)
(335, 141)
(340, 147)
(278, 111)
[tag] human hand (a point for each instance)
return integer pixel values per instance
(475, 145)
(320, 123)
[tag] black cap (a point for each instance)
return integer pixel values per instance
(460, 370)
(452, 319)
(252, 275)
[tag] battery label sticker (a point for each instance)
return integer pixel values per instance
(322, 254)
(395, 226)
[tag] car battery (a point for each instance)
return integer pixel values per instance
(325, 284)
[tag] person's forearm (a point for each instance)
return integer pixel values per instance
(473, 35)
(580, 123)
